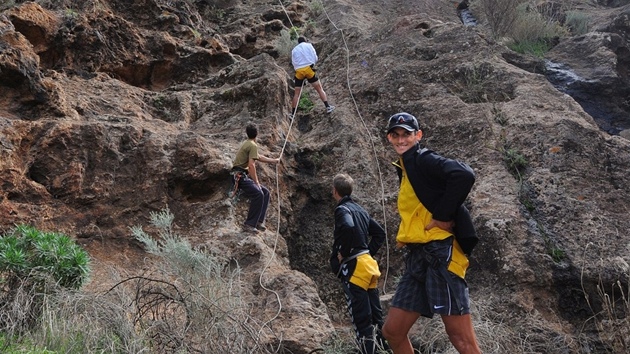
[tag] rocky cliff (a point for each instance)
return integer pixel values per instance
(110, 110)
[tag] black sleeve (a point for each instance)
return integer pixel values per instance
(458, 179)
(344, 226)
(334, 261)
(377, 237)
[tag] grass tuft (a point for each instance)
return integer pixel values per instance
(578, 22)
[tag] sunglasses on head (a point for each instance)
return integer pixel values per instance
(403, 118)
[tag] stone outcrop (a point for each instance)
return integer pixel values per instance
(112, 111)
(597, 65)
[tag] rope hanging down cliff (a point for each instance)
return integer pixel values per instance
(362, 120)
(275, 244)
(371, 139)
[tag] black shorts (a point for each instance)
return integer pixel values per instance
(424, 288)
(299, 83)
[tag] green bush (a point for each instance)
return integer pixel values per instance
(294, 33)
(305, 104)
(10, 347)
(28, 253)
(537, 48)
(34, 265)
(515, 161)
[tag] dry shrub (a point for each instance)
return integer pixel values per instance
(70, 321)
(285, 44)
(429, 336)
(578, 22)
(20, 306)
(499, 15)
(498, 332)
(612, 322)
(316, 7)
(533, 26)
(194, 302)
(7, 4)
(75, 322)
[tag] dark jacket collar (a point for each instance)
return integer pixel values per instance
(407, 155)
(344, 200)
(412, 151)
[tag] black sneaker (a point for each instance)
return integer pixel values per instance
(250, 229)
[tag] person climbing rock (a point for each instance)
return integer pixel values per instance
(246, 180)
(304, 58)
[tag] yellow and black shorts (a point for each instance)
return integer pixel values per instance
(366, 272)
(307, 73)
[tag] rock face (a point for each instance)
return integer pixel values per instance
(598, 63)
(111, 110)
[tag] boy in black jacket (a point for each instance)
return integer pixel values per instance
(432, 190)
(357, 238)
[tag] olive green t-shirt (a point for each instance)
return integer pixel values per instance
(248, 150)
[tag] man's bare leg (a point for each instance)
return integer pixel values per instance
(396, 329)
(461, 333)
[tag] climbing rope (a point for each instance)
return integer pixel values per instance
(292, 116)
(277, 236)
(286, 13)
(378, 167)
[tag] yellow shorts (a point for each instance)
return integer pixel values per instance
(366, 273)
(307, 73)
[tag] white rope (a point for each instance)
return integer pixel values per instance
(275, 244)
(378, 167)
(272, 257)
(286, 13)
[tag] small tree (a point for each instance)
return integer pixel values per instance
(34, 264)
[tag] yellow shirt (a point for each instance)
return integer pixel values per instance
(413, 219)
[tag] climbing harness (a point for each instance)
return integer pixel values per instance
(234, 192)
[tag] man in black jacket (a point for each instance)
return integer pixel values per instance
(432, 190)
(357, 238)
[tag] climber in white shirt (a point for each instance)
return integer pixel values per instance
(304, 57)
